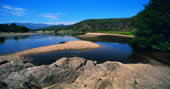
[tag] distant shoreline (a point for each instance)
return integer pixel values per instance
(6, 34)
(16, 34)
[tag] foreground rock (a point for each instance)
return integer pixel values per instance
(9, 68)
(70, 45)
(63, 71)
(79, 73)
(115, 75)
(13, 66)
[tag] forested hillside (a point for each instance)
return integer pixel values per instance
(153, 26)
(33, 26)
(53, 27)
(12, 28)
(122, 24)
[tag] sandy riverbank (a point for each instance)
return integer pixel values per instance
(104, 34)
(16, 34)
(5, 34)
(70, 45)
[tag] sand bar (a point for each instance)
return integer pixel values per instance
(70, 45)
(104, 34)
(16, 34)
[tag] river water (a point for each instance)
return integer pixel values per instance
(112, 48)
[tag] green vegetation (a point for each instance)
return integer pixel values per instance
(12, 28)
(135, 83)
(153, 26)
(92, 25)
(118, 32)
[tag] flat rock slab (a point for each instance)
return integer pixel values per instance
(70, 45)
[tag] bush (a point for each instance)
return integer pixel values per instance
(12, 28)
(153, 26)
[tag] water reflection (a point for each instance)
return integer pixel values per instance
(20, 37)
(2, 40)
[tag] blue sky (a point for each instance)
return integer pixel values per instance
(67, 11)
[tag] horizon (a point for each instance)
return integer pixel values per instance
(66, 12)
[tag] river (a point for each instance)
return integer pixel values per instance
(112, 49)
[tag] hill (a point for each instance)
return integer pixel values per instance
(13, 28)
(33, 25)
(122, 24)
(53, 27)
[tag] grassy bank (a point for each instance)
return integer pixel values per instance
(118, 32)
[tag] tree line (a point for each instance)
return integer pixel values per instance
(12, 28)
(92, 25)
(153, 26)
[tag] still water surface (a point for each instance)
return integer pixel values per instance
(20, 43)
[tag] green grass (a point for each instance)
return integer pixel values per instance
(118, 32)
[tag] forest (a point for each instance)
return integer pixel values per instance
(12, 28)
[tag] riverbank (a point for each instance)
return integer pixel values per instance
(16, 34)
(117, 32)
(6, 34)
(88, 35)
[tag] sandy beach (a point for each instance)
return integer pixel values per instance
(5, 34)
(70, 45)
(103, 34)
(16, 34)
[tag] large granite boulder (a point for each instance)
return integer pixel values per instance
(9, 67)
(13, 66)
(62, 71)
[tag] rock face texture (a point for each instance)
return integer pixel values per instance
(79, 73)
(115, 75)
(13, 66)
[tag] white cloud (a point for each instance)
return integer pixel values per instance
(65, 23)
(52, 16)
(13, 10)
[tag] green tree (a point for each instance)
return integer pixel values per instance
(13, 25)
(12, 28)
(153, 26)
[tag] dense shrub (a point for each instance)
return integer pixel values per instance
(12, 28)
(153, 26)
